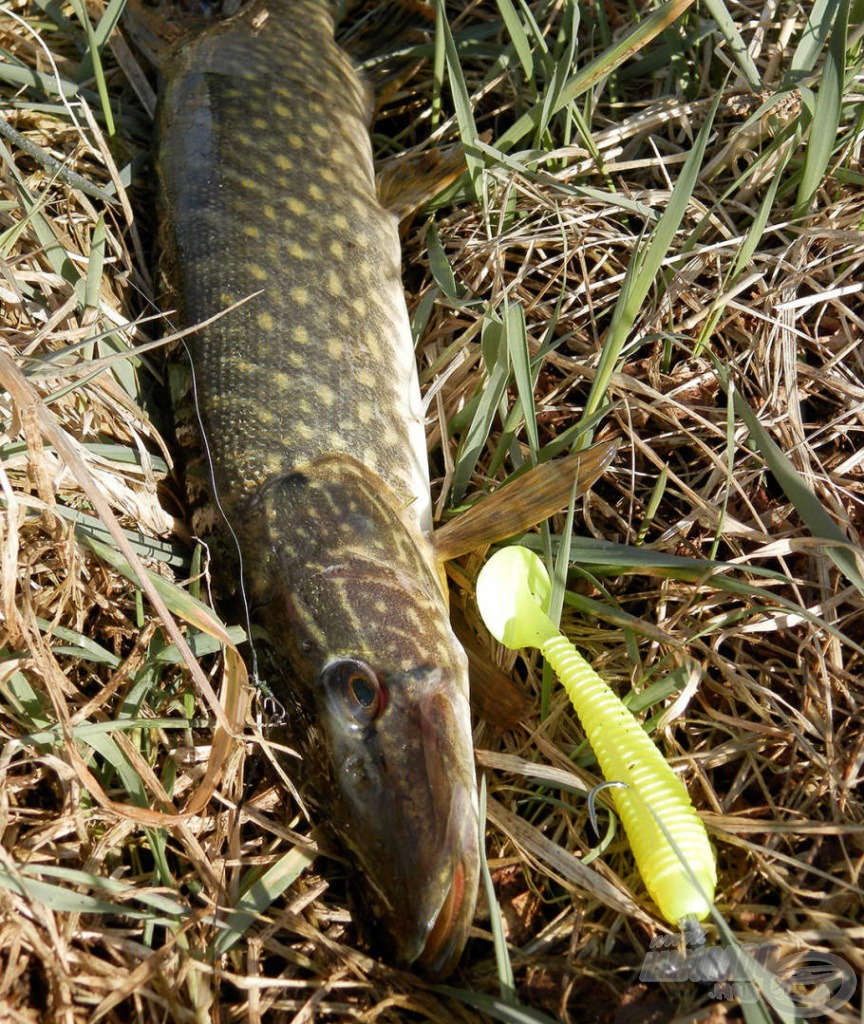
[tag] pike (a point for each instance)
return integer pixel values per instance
(312, 417)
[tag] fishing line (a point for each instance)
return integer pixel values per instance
(247, 613)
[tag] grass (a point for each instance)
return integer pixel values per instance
(658, 240)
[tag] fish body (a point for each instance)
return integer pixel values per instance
(311, 414)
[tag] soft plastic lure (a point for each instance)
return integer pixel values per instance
(512, 594)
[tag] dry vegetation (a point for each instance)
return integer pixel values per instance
(716, 577)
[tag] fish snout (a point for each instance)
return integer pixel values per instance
(408, 810)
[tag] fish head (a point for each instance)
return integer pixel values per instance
(361, 613)
(403, 795)
(390, 705)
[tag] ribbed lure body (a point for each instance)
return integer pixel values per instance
(312, 416)
(626, 754)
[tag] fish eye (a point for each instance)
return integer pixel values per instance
(356, 688)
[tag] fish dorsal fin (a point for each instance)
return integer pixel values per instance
(407, 183)
(528, 500)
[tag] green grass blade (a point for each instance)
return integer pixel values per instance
(440, 265)
(820, 524)
(599, 68)
(96, 60)
(737, 46)
(62, 900)
(611, 559)
(80, 646)
(812, 40)
(506, 982)
(826, 116)
(645, 266)
(484, 413)
(260, 895)
(461, 104)
(518, 37)
(496, 1007)
(516, 339)
(108, 750)
(155, 900)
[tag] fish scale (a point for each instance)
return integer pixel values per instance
(311, 411)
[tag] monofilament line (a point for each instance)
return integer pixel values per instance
(247, 614)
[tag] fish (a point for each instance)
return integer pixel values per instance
(312, 417)
(307, 391)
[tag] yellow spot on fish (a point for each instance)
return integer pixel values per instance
(340, 221)
(282, 380)
(268, 211)
(243, 139)
(300, 295)
(266, 416)
(301, 335)
(315, 191)
(265, 321)
(334, 283)
(280, 110)
(365, 377)
(326, 395)
(251, 231)
(337, 250)
(298, 251)
(284, 163)
(360, 307)
(295, 141)
(296, 359)
(297, 206)
(259, 273)
(337, 443)
(370, 458)
(334, 348)
(304, 430)
(328, 174)
(321, 130)
(226, 298)
(365, 412)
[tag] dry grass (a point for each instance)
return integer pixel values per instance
(750, 669)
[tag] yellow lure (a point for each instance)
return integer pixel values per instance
(512, 594)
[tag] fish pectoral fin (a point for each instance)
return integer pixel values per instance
(522, 503)
(405, 184)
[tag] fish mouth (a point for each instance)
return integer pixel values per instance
(446, 937)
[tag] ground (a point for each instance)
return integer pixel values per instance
(657, 242)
